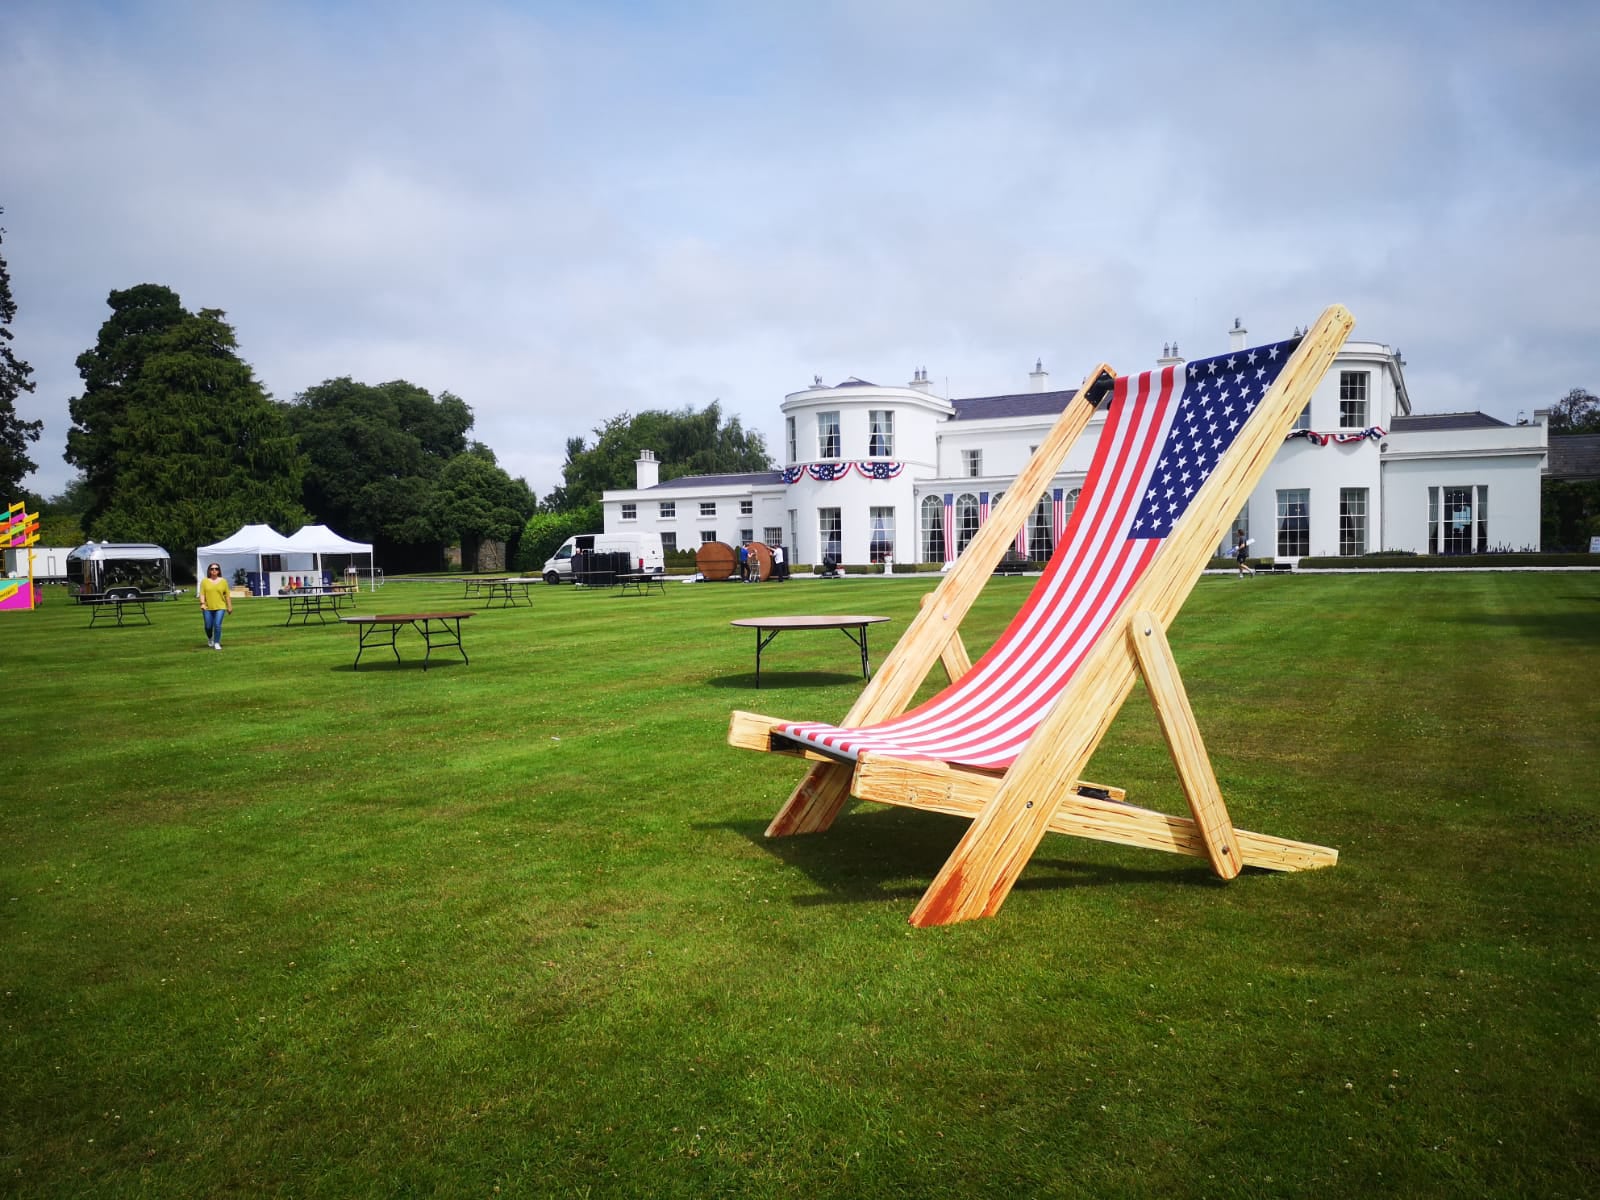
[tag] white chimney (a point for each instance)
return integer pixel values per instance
(1237, 335)
(1039, 377)
(1169, 356)
(647, 470)
(920, 381)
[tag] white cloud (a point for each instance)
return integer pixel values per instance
(564, 212)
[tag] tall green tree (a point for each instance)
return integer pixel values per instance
(480, 503)
(1576, 412)
(178, 441)
(15, 433)
(685, 441)
(374, 454)
(110, 369)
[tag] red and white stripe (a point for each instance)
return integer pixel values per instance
(987, 716)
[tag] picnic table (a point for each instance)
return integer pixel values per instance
(108, 607)
(641, 582)
(435, 629)
(314, 602)
(767, 628)
(498, 587)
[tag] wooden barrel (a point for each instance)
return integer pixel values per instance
(716, 561)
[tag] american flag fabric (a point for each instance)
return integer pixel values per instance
(1164, 434)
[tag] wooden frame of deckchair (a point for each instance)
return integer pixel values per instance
(1042, 791)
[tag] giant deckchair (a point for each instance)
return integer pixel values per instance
(1006, 742)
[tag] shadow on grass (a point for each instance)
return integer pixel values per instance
(1578, 626)
(772, 681)
(894, 855)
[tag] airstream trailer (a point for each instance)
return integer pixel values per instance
(100, 570)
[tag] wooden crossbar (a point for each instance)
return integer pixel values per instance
(940, 787)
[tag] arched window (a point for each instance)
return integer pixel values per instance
(932, 529)
(1068, 503)
(1041, 530)
(966, 520)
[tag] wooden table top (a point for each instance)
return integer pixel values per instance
(805, 622)
(396, 618)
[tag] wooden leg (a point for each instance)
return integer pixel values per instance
(1188, 749)
(812, 807)
(983, 868)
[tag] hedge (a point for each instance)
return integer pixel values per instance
(1391, 561)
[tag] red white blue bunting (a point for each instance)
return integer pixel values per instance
(879, 470)
(827, 472)
(1342, 438)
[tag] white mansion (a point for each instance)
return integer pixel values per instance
(898, 473)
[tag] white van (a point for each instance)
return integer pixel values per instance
(643, 548)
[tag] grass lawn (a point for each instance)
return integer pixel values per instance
(272, 926)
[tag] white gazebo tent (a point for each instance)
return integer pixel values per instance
(248, 547)
(318, 540)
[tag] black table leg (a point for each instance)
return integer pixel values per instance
(372, 632)
(860, 639)
(760, 643)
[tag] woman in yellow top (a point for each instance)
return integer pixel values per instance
(216, 601)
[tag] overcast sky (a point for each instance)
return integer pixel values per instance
(565, 211)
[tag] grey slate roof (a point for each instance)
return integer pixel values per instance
(1574, 456)
(1021, 404)
(1434, 422)
(749, 478)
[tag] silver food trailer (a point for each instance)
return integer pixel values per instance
(100, 570)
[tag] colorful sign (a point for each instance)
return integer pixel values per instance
(19, 530)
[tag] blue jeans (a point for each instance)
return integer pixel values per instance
(213, 618)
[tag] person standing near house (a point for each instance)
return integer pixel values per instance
(1241, 549)
(744, 563)
(780, 563)
(216, 601)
